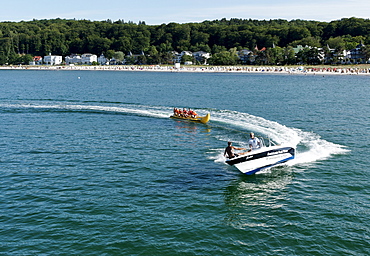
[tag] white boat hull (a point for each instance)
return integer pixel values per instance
(263, 158)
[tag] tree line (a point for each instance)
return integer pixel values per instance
(21, 40)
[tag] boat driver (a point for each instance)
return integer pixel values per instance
(229, 151)
(254, 142)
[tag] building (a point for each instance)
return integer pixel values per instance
(202, 56)
(246, 56)
(357, 55)
(102, 60)
(88, 58)
(334, 56)
(53, 59)
(73, 59)
(113, 61)
(37, 60)
(174, 56)
(177, 57)
(133, 58)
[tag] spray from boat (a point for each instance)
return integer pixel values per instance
(310, 146)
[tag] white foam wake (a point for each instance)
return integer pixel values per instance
(310, 146)
(315, 148)
(150, 111)
(134, 109)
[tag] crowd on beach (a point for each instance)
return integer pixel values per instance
(242, 69)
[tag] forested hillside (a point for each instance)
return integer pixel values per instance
(63, 37)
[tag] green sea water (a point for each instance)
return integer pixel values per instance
(91, 164)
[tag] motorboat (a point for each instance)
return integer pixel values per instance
(200, 119)
(263, 157)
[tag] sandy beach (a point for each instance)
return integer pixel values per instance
(320, 70)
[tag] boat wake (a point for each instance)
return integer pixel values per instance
(310, 146)
(314, 148)
(134, 109)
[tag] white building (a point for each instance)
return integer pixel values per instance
(53, 59)
(178, 56)
(88, 58)
(73, 59)
(202, 56)
(357, 55)
(174, 56)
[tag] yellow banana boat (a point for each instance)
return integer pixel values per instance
(199, 119)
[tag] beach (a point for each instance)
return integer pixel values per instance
(309, 70)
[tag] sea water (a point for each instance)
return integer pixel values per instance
(91, 164)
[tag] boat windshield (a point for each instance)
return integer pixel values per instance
(262, 142)
(269, 142)
(266, 140)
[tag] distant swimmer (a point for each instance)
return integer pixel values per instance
(229, 151)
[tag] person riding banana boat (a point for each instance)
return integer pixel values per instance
(189, 115)
(184, 113)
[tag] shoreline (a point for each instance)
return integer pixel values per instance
(299, 70)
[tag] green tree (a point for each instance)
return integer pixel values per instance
(187, 58)
(366, 51)
(141, 60)
(298, 33)
(119, 56)
(141, 41)
(336, 42)
(98, 45)
(218, 48)
(309, 56)
(109, 54)
(24, 59)
(289, 56)
(180, 36)
(309, 41)
(224, 58)
(275, 56)
(124, 44)
(200, 38)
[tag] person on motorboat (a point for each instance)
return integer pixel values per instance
(229, 151)
(254, 142)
